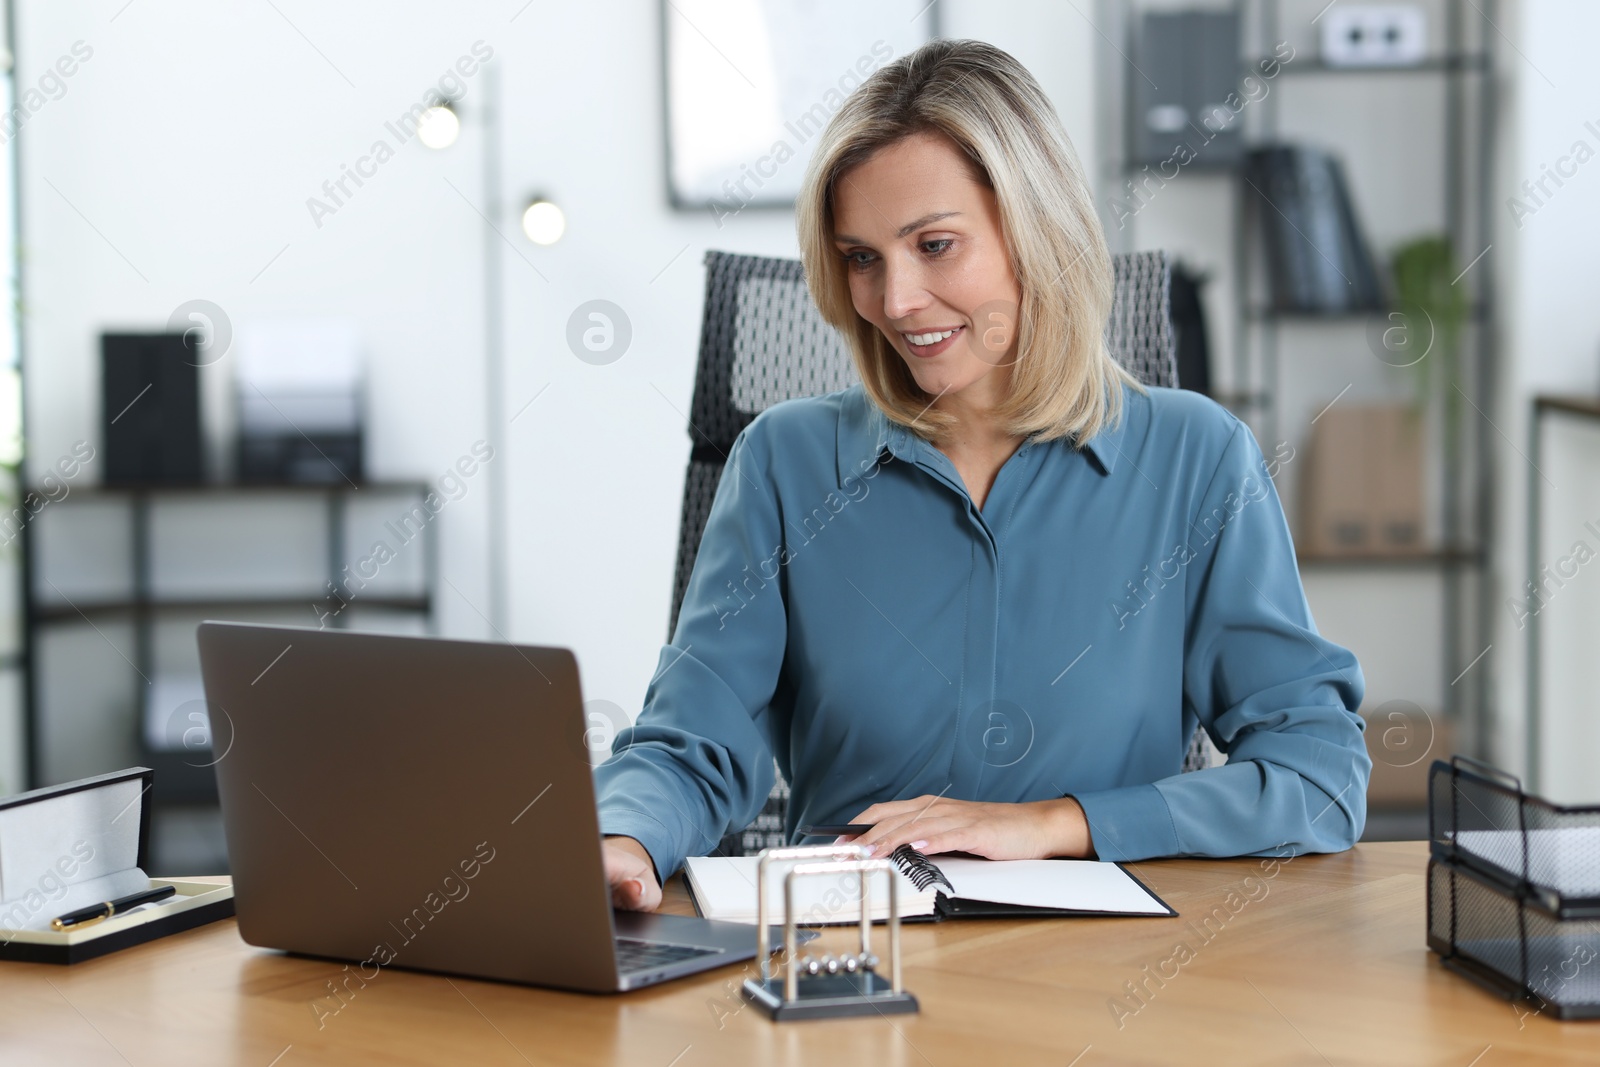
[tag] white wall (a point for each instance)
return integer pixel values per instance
(1548, 266)
(178, 163)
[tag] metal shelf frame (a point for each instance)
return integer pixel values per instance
(145, 604)
(1466, 69)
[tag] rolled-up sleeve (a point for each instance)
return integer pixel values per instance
(698, 760)
(1275, 695)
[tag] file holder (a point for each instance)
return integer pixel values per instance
(832, 987)
(1480, 817)
(1514, 889)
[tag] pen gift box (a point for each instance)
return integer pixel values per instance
(73, 846)
(1514, 889)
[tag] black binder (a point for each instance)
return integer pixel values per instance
(1318, 261)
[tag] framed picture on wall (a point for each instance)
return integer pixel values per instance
(750, 85)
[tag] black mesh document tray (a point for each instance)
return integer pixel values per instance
(1480, 818)
(1514, 889)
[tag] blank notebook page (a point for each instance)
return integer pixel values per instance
(1078, 885)
(726, 889)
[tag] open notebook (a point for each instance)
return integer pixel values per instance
(954, 887)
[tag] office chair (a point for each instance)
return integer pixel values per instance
(762, 341)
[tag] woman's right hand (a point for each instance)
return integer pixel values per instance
(631, 874)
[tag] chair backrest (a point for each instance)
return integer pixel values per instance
(762, 341)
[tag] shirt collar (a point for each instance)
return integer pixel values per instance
(865, 433)
(1106, 446)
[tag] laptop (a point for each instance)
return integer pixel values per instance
(427, 804)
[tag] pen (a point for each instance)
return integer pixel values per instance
(96, 912)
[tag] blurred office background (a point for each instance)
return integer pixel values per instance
(431, 277)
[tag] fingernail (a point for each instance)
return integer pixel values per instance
(870, 849)
(919, 845)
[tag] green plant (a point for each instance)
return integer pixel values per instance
(1434, 309)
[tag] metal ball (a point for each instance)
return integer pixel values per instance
(831, 964)
(811, 965)
(852, 964)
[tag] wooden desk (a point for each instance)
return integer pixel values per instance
(1322, 963)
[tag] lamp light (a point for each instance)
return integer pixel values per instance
(543, 222)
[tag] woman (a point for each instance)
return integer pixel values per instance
(981, 600)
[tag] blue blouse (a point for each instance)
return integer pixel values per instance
(852, 613)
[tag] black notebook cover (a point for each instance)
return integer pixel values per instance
(923, 872)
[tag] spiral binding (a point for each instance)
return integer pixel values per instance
(922, 871)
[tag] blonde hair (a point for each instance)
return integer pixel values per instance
(1064, 382)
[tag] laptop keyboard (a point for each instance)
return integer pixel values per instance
(636, 955)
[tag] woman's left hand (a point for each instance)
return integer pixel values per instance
(1037, 829)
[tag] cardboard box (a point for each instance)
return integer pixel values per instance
(1363, 490)
(1403, 741)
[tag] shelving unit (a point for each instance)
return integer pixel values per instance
(1258, 377)
(141, 605)
(1461, 554)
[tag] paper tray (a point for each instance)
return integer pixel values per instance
(1480, 818)
(196, 904)
(1513, 947)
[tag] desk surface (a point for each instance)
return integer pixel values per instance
(1321, 960)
